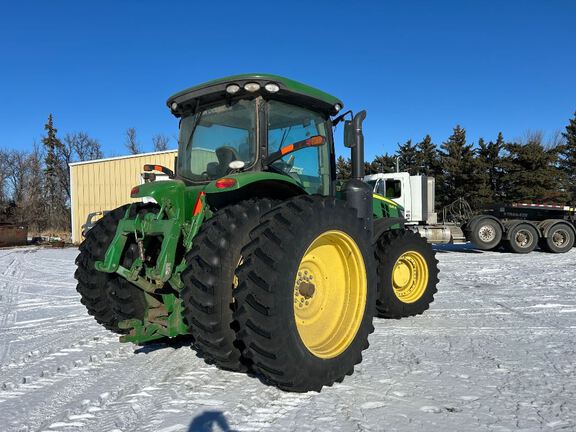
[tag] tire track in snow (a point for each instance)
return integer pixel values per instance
(467, 364)
(9, 288)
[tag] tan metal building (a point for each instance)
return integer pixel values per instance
(105, 184)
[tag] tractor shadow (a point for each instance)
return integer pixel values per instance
(464, 248)
(174, 343)
(208, 420)
(469, 248)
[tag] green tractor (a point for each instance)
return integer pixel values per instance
(253, 248)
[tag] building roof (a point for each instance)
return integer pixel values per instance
(122, 157)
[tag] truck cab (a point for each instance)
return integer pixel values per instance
(415, 193)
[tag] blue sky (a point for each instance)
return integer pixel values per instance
(417, 66)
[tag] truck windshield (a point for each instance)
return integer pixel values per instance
(211, 139)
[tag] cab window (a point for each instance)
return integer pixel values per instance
(288, 124)
(393, 189)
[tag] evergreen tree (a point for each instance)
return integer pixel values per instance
(532, 174)
(383, 164)
(368, 168)
(427, 157)
(54, 185)
(458, 177)
(567, 161)
(408, 157)
(484, 192)
(343, 168)
(489, 167)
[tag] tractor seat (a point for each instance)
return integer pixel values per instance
(225, 155)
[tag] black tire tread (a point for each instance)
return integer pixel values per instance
(260, 332)
(207, 293)
(108, 297)
(387, 306)
(510, 245)
(92, 284)
(546, 244)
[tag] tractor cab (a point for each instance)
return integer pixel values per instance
(256, 123)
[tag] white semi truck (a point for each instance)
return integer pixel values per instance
(517, 227)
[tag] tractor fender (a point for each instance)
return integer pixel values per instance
(545, 226)
(272, 187)
(383, 225)
(471, 224)
(511, 224)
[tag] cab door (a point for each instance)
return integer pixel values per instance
(398, 190)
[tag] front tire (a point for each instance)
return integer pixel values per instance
(408, 274)
(108, 297)
(485, 233)
(307, 294)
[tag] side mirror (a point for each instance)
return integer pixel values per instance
(349, 139)
(353, 135)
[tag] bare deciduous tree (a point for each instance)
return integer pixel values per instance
(34, 203)
(4, 161)
(131, 142)
(84, 147)
(16, 175)
(160, 142)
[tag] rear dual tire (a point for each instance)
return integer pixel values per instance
(559, 239)
(210, 282)
(522, 239)
(307, 293)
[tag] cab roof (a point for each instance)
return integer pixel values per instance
(289, 90)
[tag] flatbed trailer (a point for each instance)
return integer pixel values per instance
(521, 227)
(516, 227)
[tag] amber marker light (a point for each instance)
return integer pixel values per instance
(198, 205)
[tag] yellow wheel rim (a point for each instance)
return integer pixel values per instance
(330, 294)
(410, 277)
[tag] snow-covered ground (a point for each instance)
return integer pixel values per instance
(495, 352)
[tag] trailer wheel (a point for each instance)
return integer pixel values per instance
(408, 274)
(560, 239)
(485, 233)
(209, 282)
(307, 293)
(522, 238)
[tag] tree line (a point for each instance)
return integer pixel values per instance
(499, 170)
(35, 184)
